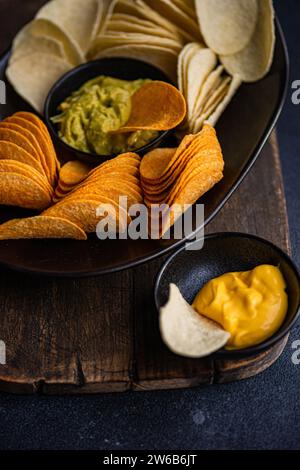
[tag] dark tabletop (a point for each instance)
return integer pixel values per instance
(259, 413)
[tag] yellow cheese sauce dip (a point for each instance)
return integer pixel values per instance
(250, 305)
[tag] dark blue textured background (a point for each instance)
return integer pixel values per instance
(259, 413)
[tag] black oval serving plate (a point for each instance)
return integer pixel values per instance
(243, 130)
(190, 270)
(117, 67)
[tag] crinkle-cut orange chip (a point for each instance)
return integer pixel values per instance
(16, 137)
(120, 193)
(191, 187)
(21, 191)
(115, 192)
(59, 194)
(199, 185)
(205, 138)
(118, 172)
(31, 138)
(128, 157)
(157, 106)
(83, 212)
(13, 166)
(183, 171)
(192, 173)
(122, 217)
(73, 173)
(130, 161)
(198, 146)
(62, 188)
(34, 119)
(41, 227)
(154, 163)
(125, 162)
(209, 171)
(213, 165)
(104, 180)
(11, 151)
(47, 161)
(132, 156)
(103, 184)
(151, 173)
(156, 178)
(122, 170)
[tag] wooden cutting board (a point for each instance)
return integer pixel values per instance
(101, 334)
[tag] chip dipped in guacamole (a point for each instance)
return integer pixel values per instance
(100, 106)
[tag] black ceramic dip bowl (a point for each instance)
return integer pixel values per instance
(122, 68)
(222, 253)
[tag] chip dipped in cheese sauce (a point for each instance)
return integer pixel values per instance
(250, 305)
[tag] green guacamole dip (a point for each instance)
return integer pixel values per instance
(101, 105)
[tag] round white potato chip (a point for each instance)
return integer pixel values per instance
(32, 77)
(212, 113)
(25, 44)
(217, 96)
(132, 22)
(76, 18)
(98, 19)
(187, 6)
(44, 46)
(201, 64)
(46, 29)
(161, 57)
(234, 86)
(107, 41)
(132, 27)
(211, 83)
(108, 7)
(254, 62)
(140, 9)
(227, 25)
(183, 62)
(168, 9)
(186, 332)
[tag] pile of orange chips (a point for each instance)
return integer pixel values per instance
(97, 197)
(177, 178)
(103, 187)
(70, 175)
(28, 163)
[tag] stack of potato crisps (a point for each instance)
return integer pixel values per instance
(71, 174)
(208, 96)
(104, 185)
(28, 162)
(77, 213)
(177, 178)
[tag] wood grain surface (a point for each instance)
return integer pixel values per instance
(101, 334)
